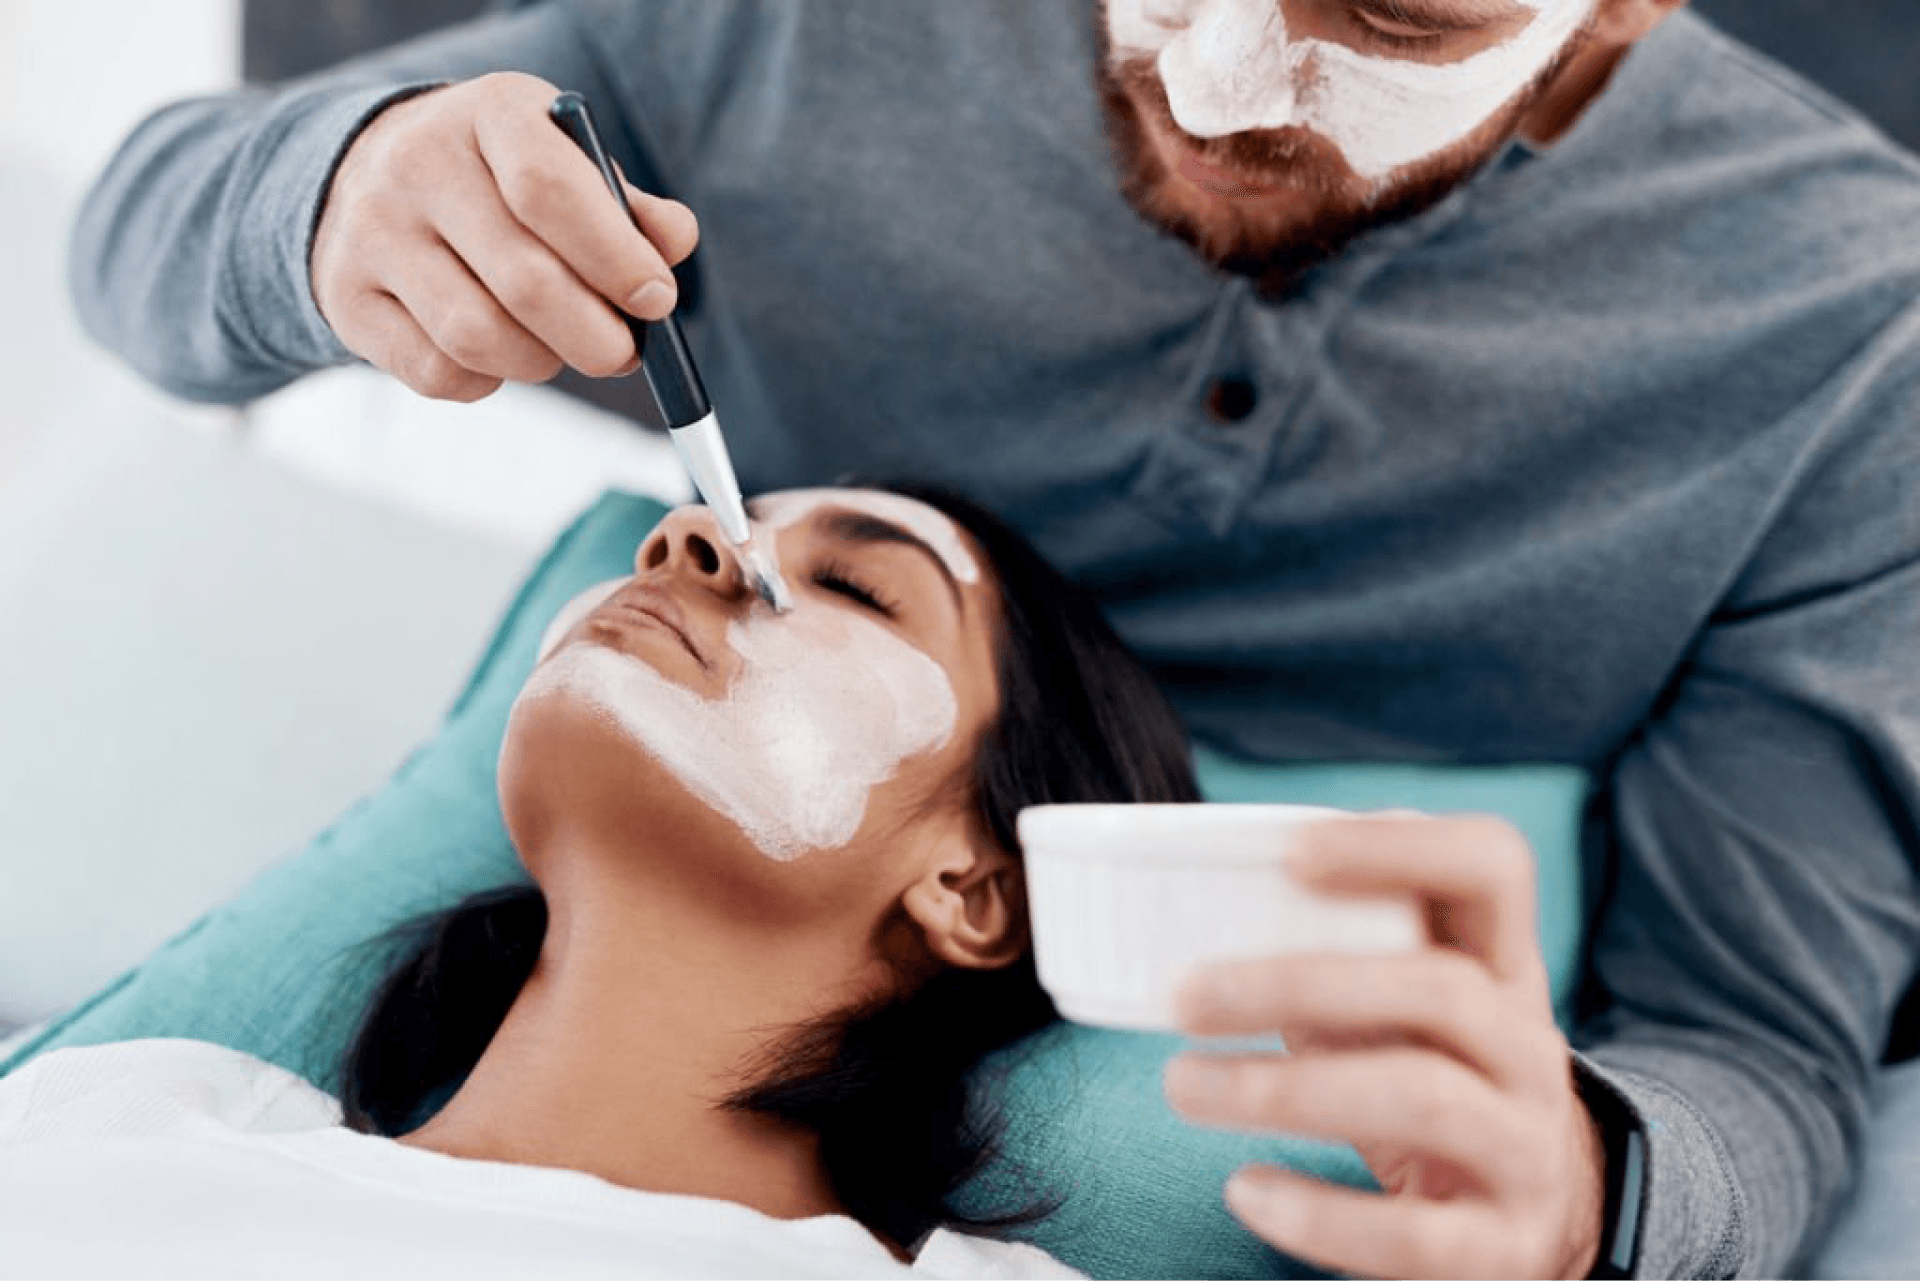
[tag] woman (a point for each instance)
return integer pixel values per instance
(776, 918)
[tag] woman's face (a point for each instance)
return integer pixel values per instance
(675, 704)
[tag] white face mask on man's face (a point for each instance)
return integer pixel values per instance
(1231, 66)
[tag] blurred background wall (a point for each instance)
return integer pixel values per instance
(1866, 51)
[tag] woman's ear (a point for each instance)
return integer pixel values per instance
(971, 903)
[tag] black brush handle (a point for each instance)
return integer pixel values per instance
(664, 357)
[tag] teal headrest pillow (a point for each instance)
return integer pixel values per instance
(277, 971)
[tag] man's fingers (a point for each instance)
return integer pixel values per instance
(670, 225)
(531, 284)
(498, 239)
(1345, 1230)
(384, 333)
(1438, 998)
(1475, 873)
(557, 193)
(1410, 1100)
(466, 323)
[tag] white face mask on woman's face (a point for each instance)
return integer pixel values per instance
(824, 709)
(825, 706)
(1232, 66)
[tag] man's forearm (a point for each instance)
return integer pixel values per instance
(189, 258)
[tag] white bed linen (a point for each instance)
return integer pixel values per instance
(176, 1158)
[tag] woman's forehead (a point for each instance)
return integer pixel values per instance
(781, 508)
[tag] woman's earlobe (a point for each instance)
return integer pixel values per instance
(972, 908)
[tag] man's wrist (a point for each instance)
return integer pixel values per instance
(1587, 1217)
(329, 135)
(1624, 1176)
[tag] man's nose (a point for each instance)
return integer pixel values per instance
(1228, 70)
(688, 542)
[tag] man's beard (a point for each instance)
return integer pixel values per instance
(1321, 205)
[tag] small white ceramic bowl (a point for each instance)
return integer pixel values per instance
(1127, 900)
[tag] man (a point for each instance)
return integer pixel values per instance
(1451, 380)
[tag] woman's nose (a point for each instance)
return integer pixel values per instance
(688, 542)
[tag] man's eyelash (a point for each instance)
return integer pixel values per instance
(1394, 40)
(1422, 36)
(836, 576)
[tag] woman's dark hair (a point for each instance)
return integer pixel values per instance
(885, 1087)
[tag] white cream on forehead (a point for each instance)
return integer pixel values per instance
(1230, 66)
(825, 706)
(785, 507)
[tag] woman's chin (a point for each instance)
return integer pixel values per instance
(567, 770)
(572, 778)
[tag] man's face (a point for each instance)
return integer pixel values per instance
(1269, 134)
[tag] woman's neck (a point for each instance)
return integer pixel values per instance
(618, 1054)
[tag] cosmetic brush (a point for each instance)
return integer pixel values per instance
(677, 389)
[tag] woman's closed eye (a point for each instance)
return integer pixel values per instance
(839, 577)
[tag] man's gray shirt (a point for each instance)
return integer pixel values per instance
(1609, 459)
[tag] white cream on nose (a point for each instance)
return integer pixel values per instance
(1231, 70)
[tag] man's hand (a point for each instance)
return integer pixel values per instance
(465, 240)
(1443, 1067)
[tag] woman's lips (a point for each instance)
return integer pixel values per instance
(652, 608)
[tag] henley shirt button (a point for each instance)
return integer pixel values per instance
(1230, 399)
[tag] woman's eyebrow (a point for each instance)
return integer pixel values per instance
(862, 527)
